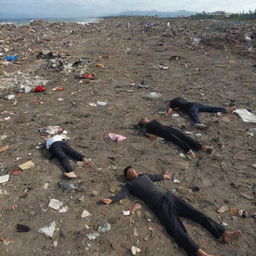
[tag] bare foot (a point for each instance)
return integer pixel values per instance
(207, 149)
(200, 126)
(86, 161)
(200, 252)
(191, 153)
(228, 236)
(70, 175)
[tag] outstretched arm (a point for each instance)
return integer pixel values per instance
(121, 195)
(159, 177)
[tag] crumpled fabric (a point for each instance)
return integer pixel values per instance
(115, 137)
(246, 116)
(39, 88)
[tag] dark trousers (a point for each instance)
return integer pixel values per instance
(182, 140)
(171, 208)
(61, 150)
(196, 108)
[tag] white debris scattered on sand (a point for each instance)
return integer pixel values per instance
(246, 116)
(4, 178)
(48, 230)
(85, 214)
(135, 250)
(55, 204)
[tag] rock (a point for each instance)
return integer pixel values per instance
(135, 232)
(223, 209)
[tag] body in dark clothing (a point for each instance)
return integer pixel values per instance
(193, 108)
(168, 209)
(61, 150)
(171, 134)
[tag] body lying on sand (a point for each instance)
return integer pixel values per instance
(168, 208)
(193, 108)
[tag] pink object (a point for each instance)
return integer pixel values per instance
(115, 137)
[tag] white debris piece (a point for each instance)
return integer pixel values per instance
(4, 178)
(93, 236)
(246, 116)
(101, 103)
(48, 230)
(85, 214)
(134, 250)
(126, 213)
(55, 204)
(63, 209)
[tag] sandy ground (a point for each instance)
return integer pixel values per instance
(215, 72)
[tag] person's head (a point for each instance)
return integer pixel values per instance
(177, 102)
(130, 173)
(143, 121)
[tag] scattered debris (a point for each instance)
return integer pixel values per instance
(4, 178)
(116, 137)
(27, 165)
(93, 236)
(154, 95)
(251, 132)
(4, 148)
(101, 103)
(135, 250)
(105, 227)
(48, 230)
(246, 116)
(223, 209)
(63, 209)
(85, 214)
(15, 172)
(55, 204)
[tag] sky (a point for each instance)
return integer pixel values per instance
(87, 8)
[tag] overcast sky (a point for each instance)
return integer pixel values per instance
(80, 8)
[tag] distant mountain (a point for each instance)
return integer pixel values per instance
(156, 13)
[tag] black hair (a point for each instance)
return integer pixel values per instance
(177, 102)
(126, 170)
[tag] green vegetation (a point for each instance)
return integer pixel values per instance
(251, 15)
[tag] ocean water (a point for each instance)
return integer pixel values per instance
(24, 21)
